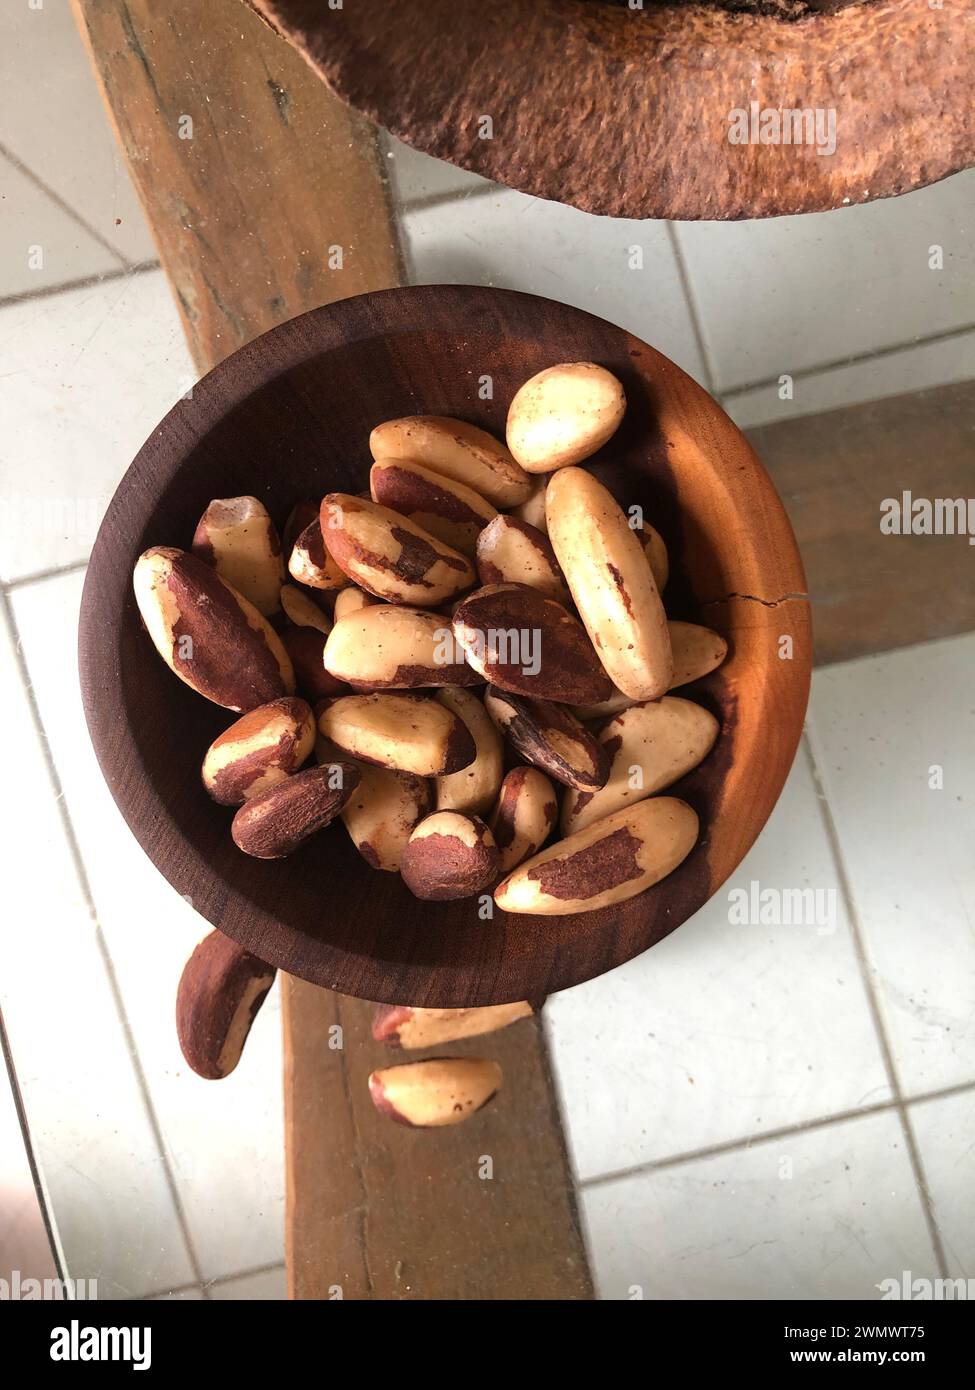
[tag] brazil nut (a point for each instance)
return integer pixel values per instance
(350, 600)
(525, 642)
(525, 813)
(697, 652)
(237, 536)
(459, 451)
(399, 1025)
(439, 1091)
(388, 648)
(473, 789)
(220, 992)
(448, 510)
(263, 747)
(656, 553)
(389, 555)
(306, 648)
(312, 564)
(208, 634)
(409, 733)
(549, 737)
(382, 813)
(449, 856)
(512, 551)
(612, 583)
(302, 609)
(276, 821)
(651, 746)
(563, 414)
(609, 862)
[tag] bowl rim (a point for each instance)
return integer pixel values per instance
(156, 466)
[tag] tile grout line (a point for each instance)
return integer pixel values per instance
(11, 586)
(9, 618)
(853, 360)
(697, 325)
(243, 1274)
(83, 282)
(64, 206)
(766, 1136)
(863, 960)
(424, 203)
(731, 1145)
(212, 1283)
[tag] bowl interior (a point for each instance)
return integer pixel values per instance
(289, 417)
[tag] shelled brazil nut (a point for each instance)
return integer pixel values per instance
(473, 788)
(607, 863)
(525, 642)
(696, 650)
(524, 816)
(563, 414)
(390, 556)
(548, 736)
(220, 992)
(262, 748)
(276, 821)
(382, 813)
(302, 608)
(456, 450)
(449, 855)
(440, 1091)
(306, 648)
(409, 733)
(612, 583)
(447, 509)
(510, 551)
(237, 536)
(207, 633)
(387, 648)
(400, 1025)
(311, 562)
(651, 746)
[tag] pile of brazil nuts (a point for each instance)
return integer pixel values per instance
(475, 652)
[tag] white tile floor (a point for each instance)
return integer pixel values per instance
(826, 1212)
(753, 1111)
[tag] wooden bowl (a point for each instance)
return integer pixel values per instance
(288, 416)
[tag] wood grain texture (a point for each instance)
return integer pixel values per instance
(626, 113)
(289, 416)
(872, 592)
(404, 1213)
(247, 211)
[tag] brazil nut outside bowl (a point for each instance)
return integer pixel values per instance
(288, 416)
